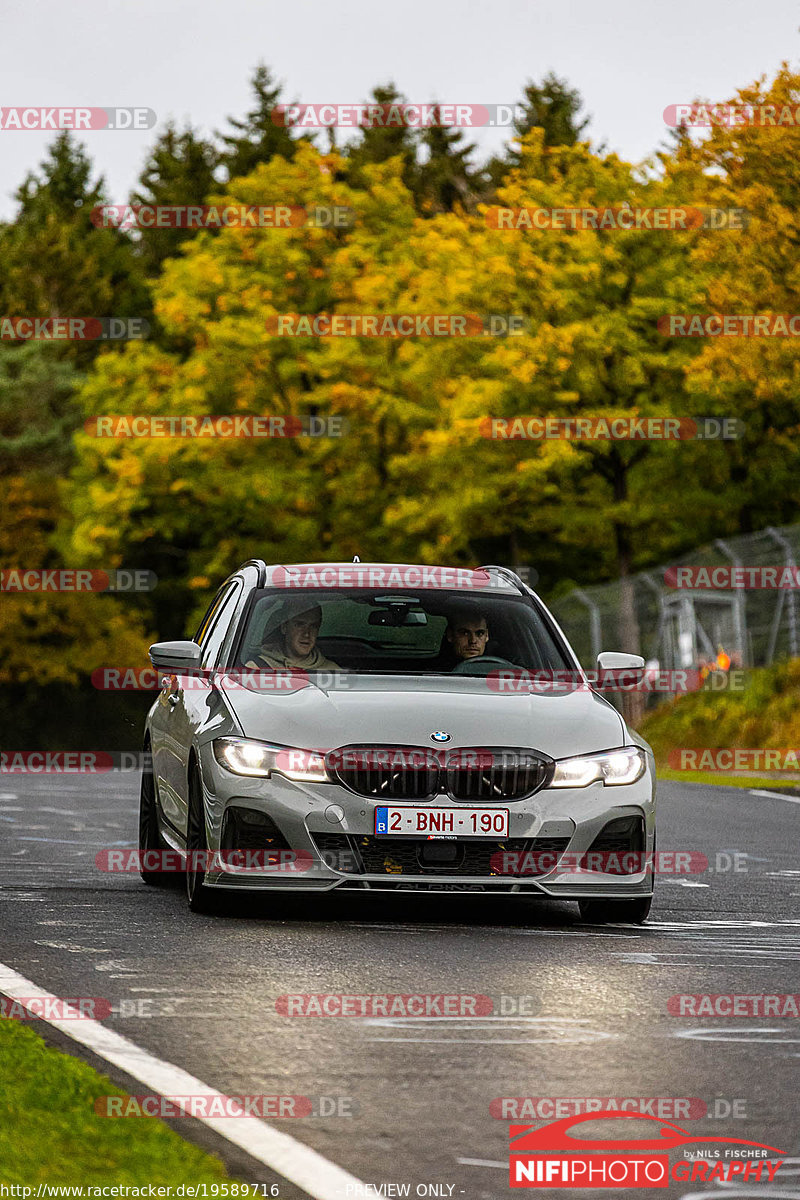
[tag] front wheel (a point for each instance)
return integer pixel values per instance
(615, 912)
(151, 844)
(201, 898)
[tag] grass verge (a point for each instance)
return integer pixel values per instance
(50, 1132)
(765, 715)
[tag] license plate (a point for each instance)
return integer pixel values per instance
(396, 820)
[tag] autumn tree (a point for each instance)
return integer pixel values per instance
(590, 301)
(190, 510)
(756, 170)
(57, 262)
(262, 134)
(445, 176)
(46, 638)
(387, 138)
(554, 107)
(179, 171)
(551, 106)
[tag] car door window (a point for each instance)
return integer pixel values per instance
(220, 620)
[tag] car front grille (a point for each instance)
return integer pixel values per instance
(386, 772)
(488, 775)
(511, 858)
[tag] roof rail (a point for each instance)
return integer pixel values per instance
(506, 572)
(260, 566)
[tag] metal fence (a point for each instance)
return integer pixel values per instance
(679, 626)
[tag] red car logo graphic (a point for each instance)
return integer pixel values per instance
(525, 1138)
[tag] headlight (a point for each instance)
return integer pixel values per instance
(613, 767)
(244, 756)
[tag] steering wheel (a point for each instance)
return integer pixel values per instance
(482, 660)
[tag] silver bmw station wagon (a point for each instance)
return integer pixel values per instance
(390, 727)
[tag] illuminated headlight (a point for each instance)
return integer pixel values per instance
(613, 767)
(246, 757)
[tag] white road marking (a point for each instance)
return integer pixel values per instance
(70, 947)
(312, 1172)
(57, 841)
(651, 927)
(495, 1041)
(732, 1034)
(776, 795)
(482, 1162)
(559, 1030)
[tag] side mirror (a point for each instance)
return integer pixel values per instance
(175, 657)
(615, 660)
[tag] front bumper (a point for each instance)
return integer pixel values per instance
(307, 815)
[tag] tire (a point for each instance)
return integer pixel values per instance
(605, 912)
(200, 897)
(149, 833)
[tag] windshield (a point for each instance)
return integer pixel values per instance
(365, 631)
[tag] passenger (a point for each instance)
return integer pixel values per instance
(294, 645)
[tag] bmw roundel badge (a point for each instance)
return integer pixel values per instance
(440, 736)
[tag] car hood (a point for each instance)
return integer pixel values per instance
(387, 710)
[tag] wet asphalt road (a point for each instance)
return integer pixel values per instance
(585, 1009)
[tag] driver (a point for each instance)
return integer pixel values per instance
(467, 632)
(294, 645)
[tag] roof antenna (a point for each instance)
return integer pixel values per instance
(356, 558)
